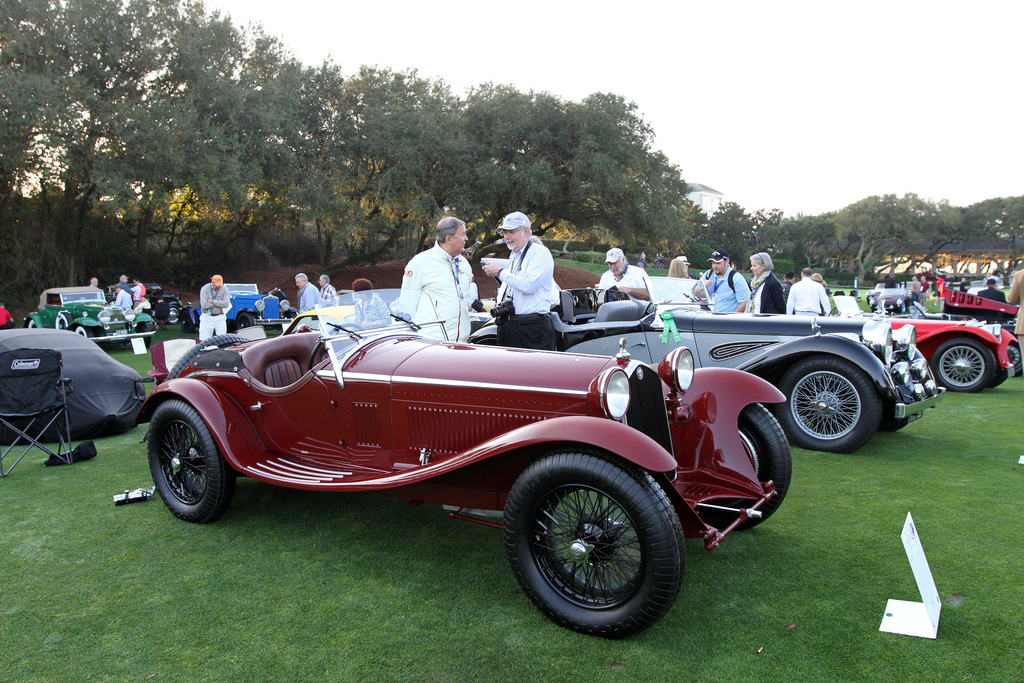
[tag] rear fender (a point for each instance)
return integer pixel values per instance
(226, 420)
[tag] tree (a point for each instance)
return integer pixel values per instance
(880, 225)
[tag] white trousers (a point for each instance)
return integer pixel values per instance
(210, 325)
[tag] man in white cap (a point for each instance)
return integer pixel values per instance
(437, 281)
(632, 281)
(528, 278)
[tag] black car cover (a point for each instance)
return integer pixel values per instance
(106, 394)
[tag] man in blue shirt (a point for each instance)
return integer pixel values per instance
(309, 295)
(726, 287)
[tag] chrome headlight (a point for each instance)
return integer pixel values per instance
(878, 335)
(930, 387)
(919, 369)
(676, 369)
(285, 305)
(129, 315)
(919, 391)
(900, 372)
(905, 339)
(260, 305)
(613, 390)
(104, 316)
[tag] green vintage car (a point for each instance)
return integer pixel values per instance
(85, 310)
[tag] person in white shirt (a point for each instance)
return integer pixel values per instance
(632, 281)
(529, 281)
(437, 281)
(807, 297)
(123, 300)
(327, 291)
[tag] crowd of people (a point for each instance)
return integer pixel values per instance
(438, 285)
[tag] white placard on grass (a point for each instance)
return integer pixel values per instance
(138, 346)
(919, 619)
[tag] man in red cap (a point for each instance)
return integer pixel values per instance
(214, 302)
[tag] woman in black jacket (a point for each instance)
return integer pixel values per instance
(766, 290)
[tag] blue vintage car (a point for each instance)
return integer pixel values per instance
(248, 307)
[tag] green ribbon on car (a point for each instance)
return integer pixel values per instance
(669, 322)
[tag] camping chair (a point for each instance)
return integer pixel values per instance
(33, 389)
(161, 312)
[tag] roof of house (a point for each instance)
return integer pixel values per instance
(697, 187)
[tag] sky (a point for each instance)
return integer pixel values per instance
(802, 106)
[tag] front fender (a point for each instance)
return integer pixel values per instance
(226, 420)
(596, 432)
(771, 364)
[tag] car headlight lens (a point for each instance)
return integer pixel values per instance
(919, 369)
(878, 335)
(104, 316)
(613, 388)
(930, 387)
(129, 315)
(260, 304)
(285, 305)
(920, 393)
(676, 369)
(900, 372)
(905, 339)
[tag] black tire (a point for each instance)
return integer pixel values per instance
(186, 325)
(30, 324)
(220, 341)
(1013, 350)
(191, 476)
(145, 327)
(244, 319)
(998, 377)
(84, 331)
(963, 364)
(595, 544)
(173, 315)
(768, 449)
(63, 321)
(830, 405)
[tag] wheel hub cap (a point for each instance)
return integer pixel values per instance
(826, 406)
(579, 551)
(175, 465)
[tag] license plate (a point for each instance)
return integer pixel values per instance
(915, 416)
(120, 333)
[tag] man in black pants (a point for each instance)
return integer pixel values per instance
(529, 286)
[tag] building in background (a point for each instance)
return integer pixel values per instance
(705, 198)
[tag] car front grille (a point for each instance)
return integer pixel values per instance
(647, 412)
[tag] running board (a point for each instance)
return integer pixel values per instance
(293, 472)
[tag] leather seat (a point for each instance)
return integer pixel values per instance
(280, 361)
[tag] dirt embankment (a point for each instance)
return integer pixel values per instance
(387, 275)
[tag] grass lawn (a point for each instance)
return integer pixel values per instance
(292, 585)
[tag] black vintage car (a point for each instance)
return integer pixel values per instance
(843, 380)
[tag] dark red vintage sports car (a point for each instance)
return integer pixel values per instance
(593, 467)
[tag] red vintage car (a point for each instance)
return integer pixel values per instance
(593, 467)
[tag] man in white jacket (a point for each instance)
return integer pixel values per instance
(440, 278)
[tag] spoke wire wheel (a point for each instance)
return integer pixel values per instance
(594, 543)
(964, 365)
(831, 404)
(191, 475)
(587, 547)
(1013, 351)
(182, 462)
(825, 405)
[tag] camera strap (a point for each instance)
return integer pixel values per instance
(515, 268)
